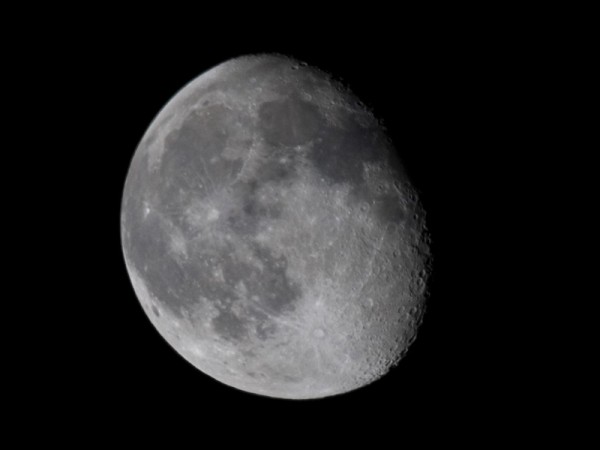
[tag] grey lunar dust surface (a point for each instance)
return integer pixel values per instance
(271, 234)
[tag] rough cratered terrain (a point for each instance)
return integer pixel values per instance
(271, 234)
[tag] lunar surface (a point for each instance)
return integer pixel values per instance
(271, 233)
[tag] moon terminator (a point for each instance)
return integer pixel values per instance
(271, 233)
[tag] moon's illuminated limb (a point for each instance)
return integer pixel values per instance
(271, 234)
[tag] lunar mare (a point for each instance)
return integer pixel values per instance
(271, 234)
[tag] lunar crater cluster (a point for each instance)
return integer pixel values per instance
(271, 234)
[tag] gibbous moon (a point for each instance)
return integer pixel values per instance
(271, 233)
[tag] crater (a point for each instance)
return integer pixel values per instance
(265, 329)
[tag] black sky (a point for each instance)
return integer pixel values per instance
(444, 94)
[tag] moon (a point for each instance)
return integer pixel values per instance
(271, 233)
